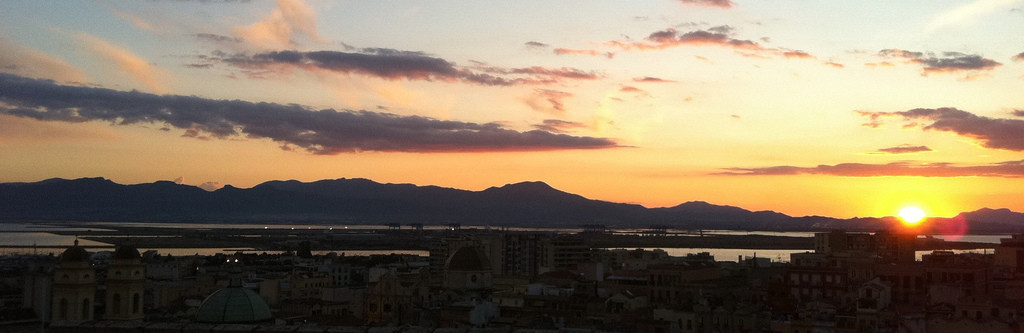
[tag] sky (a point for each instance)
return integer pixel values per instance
(805, 108)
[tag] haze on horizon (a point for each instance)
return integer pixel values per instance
(817, 108)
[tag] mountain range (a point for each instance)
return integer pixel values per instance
(363, 201)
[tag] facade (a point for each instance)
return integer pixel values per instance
(74, 288)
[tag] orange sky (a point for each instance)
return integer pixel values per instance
(756, 105)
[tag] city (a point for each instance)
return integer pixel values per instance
(476, 280)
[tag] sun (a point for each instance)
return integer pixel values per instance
(911, 214)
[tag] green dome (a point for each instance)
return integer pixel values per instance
(233, 305)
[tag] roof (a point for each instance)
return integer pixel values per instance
(74, 254)
(126, 252)
(233, 305)
(468, 258)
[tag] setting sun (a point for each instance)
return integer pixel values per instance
(911, 214)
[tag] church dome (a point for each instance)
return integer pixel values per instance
(468, 258)
(233, 305)
(74, 254)
(126, 252)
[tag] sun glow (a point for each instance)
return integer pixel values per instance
(912, 214)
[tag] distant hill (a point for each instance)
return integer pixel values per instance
(363, 201)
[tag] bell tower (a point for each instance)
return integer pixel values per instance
(74, 288)
(126, 280)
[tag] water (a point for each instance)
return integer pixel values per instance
(25, 234)
(732, 254)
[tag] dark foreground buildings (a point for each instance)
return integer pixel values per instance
(522, 282)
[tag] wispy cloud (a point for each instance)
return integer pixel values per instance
(320, 132)
(558, 126)
(709, 3)
(291, 20)
(995, 133)
(949, 62)
(1019, 57)
(1009, 169)
(719, 36)
(217, 38)
(903, 149)
(140, 69)
(547, 100)
(135, 20)
(651, 79)
(29, 62)
(589, 52)
(967, 13)
(397, 64)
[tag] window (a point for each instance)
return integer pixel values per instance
(63, 309)
(85, 309)
(135, 303)
(115, 307)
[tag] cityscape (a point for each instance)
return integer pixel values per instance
(652, 166)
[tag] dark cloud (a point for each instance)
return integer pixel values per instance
(993, 133)
(558, 126)
(199, 66)
(1009, 169)
(715, 36)
(1018, 113)
(217, 38)
(709, 3)
(532, 44)
(949, 62)
(651, 79)
(398, 64)
(1019, 57)
(904, 149)
(320, 132)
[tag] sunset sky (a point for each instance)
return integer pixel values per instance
(803, 107)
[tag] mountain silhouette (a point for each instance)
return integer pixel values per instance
(363, 201)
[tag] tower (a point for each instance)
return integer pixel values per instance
(125, 285)
(74, 288)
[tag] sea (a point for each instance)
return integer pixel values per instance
(21, 238)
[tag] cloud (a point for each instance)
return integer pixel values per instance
(1019, 57)
(140, 69)
(720, 36)
(589, 52)
(319, 132)
(210, 186)
(797, 55)
(709, 3)
(135, 20)
(834, 64)
(20, 60)
(992, 133)
(634, 90)
(217, 38)
(1009, 169)
(291, 19)
(397, 64)
(1018, 113)
(535, 45)
(950, 62)
(904, 149)
(547, 100)
(558, 126)
(967, 13)
(651, 79)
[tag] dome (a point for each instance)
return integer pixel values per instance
(233, 305)
(468, 258)
(126, 252)
(74, 254)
